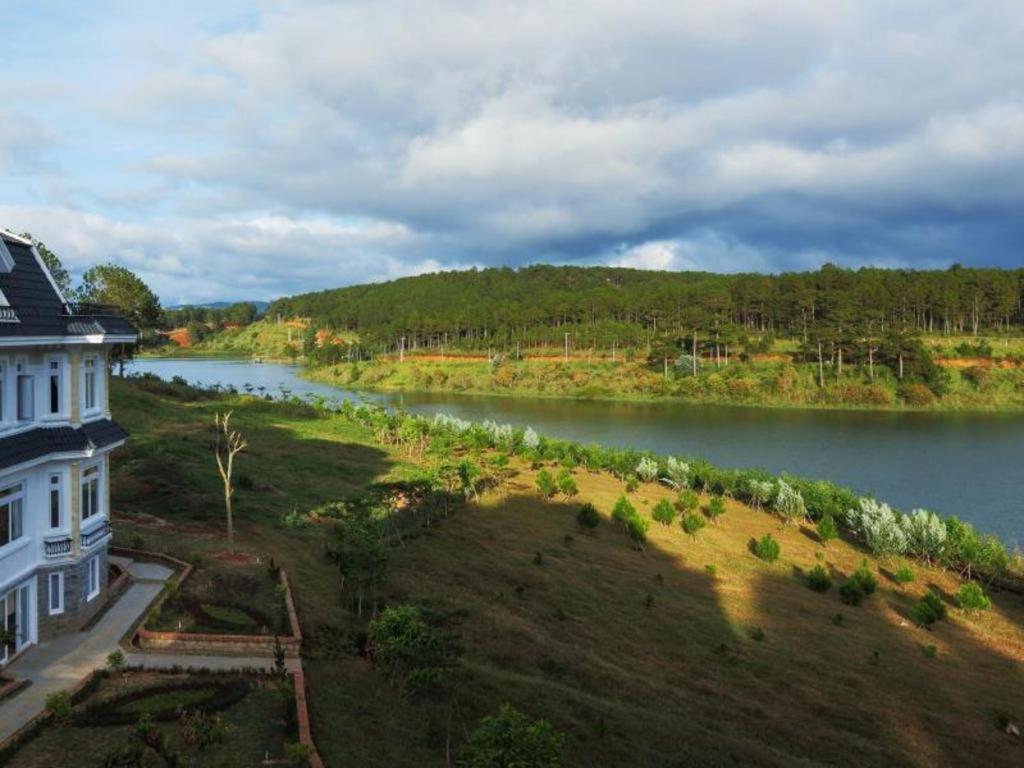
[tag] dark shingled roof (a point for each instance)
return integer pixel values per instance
(43, 441)
(39, 308)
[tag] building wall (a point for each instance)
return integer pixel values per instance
(78, 609)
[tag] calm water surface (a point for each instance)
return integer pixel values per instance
(964, 464)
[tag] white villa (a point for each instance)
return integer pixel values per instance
(56, 435)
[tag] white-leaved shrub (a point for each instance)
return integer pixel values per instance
(531, 439)
(760, 492)
(647, 469)
(926, 534)
(879, 526)
(788, 503)
(678, 471)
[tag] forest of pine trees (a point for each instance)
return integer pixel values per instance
(535, 306)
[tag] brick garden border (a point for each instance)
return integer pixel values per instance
(302, 717)
(30, 729)
(262, 646)
(10, 686)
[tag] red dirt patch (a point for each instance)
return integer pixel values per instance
(235, 558)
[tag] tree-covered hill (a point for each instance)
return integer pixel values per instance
(536, 305)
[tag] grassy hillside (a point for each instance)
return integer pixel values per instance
(648, 658)
(770, 379)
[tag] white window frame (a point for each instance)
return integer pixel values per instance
(5, 404)
(15, 492)
(55, 484)
(91, 502)
(60, 373)
(55, 611)
(93, 578)
(21, 369)
(90, 368)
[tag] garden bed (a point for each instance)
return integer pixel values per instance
(207, 719)
(225, 609)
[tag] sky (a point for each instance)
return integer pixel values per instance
(228, 150)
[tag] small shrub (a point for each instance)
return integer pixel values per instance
(971, 597)
(930, 651)
(510, 738)
(827, 530)
(711, 570)
(546, 484)
(538, 558)
(623, 510)
(298, 752)
(636, 528)
(647, 469)
(716, 507)
(788, 504)
(649, 601)
(59, 705)
(903, 576)
(632, 485)
(861, 584)
(767, 548)
(819, 579)
(929, 609)
(116, 662)
(664, 512)
(588, 517)
(687, 501)
(693, 523)
(837, 620)
(757, 634)
(567, 484)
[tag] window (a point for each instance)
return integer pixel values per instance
(56, 598)
(94, 578)
(26, 393)
(11, 501)
(3, 391)
(90, 383)
(54, 378)
(55, 483)
(90, 492)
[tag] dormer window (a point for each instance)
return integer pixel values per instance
(54, 378)
(89, 382)
(6, 260)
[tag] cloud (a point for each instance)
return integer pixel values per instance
(398, 136)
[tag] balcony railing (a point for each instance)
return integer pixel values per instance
(8, 315)
(57, 547)
(95, 535)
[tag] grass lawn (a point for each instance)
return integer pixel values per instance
(255, 725)
(641, 658)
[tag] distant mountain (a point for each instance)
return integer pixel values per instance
(261, 306)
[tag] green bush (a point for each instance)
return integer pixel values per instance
(767, 548)
(827, 530)
(623, 510)
(59, 705)
(971, 597)
(693, 523)
(861, 584)
(636, 529)
(716, 507)
(510, 739)
(546, 484)
(903, 576)
(819, 579)
(929, 609)
(632, 485)
(664, 512)
(588, 517)
(687, 501)
(567, 483)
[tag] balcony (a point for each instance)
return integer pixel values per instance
(8, 315)
(57, 547)
(95, 535)
(90, 309)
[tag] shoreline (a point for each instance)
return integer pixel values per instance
(311, 374)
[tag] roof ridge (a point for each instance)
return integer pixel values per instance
(7, 234)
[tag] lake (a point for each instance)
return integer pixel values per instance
(953, 463)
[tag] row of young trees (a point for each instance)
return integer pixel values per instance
(599, 306)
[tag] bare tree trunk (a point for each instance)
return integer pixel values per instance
(821, 368)
(871, 362)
